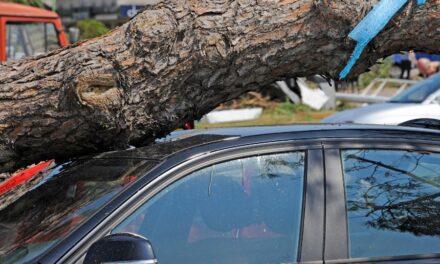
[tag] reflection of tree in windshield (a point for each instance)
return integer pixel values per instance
(394, 190)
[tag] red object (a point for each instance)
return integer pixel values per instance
(11, 9)
(128, 179)
(23, 176)
(10, 12)
(188, 125)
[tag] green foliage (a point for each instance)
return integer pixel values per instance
(288, 108)
(380, 70)
(91, 28)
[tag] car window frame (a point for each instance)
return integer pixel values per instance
(332, 155)
(312, 208)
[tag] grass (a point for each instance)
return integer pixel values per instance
(283, 113)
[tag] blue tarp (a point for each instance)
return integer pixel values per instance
(397, 58)
(431, 57)
(371, 26)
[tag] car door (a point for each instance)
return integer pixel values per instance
(245, 205)
(382, 202)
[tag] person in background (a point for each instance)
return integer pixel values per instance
(405, 65)
(434, 67)
(427, 67)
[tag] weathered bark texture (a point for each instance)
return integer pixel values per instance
(178, 60)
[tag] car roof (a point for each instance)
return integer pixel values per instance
(13, 9)
(190, 139)
(262, 130)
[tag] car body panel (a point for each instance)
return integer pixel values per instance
(419, 101)
(385, 114)
(321, 141)
(334, 135)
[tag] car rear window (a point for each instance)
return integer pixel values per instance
(36, 215)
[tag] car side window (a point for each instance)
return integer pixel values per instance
(240, 211)
(393, 202)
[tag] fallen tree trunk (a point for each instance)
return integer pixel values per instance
(178, 60)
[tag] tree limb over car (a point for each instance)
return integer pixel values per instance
(176, 61)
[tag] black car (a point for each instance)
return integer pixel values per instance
(284, 194)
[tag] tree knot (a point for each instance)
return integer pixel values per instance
(98, 91)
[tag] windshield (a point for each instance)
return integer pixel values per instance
(30, 38)
(42, 211)
(419, 92)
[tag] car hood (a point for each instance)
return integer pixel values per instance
(385, 114)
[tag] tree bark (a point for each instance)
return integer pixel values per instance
(176, 61)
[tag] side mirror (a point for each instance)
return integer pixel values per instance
(121, 248)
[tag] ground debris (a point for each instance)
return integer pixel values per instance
(250, 99)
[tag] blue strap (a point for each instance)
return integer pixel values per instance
(371, 26)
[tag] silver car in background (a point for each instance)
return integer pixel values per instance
(420, 101)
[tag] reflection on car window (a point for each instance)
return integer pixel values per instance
(240, 211)
(26, 39)
(47, 209)
(393, 202)
(419, 92)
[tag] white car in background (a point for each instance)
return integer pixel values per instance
(420, 101)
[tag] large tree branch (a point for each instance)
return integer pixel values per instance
(178, 60)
